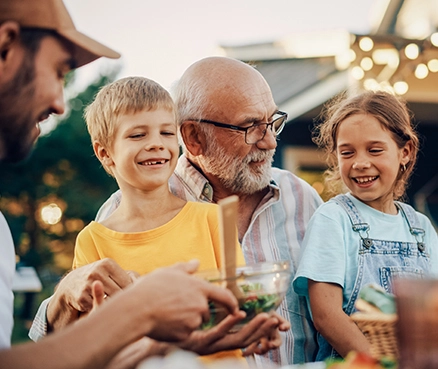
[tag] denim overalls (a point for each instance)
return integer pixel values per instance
(379, 260)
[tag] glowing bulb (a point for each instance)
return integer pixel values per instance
(366, 44)
(434, 39)
(371, 84)
(421, 71)
(51, 214)
(386, 56)
(366, 63)
(412, 51)
(401, 87)
(357, 73)
(386, 86)
(433, 65)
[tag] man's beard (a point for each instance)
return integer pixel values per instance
(16, 120)
(236, 174)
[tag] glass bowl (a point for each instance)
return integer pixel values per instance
(263, 288)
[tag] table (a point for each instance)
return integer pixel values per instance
(26, 280)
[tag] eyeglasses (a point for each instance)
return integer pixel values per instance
(255, 132)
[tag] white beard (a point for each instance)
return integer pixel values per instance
(236, 175)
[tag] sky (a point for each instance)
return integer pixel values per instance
(159, 39)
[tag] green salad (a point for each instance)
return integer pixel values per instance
(255, 302)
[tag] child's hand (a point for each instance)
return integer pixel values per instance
(98, 294)
(97, 290)
(272, 340)
(98, 297)
(283, 324)
(73, 297)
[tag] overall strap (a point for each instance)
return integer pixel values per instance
(413, 222)
(357, 223)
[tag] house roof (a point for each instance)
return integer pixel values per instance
(299, 85)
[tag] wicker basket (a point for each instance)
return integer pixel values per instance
(380, 330)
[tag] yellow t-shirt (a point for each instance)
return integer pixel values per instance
(192, 234)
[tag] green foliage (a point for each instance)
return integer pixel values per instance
(62, 169)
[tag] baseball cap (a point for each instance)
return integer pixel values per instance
(53, 15)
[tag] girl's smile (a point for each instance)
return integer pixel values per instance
(369, 160)
(365, 180)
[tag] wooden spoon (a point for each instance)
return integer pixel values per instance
(228, 232)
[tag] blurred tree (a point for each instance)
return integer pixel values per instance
(62, 177)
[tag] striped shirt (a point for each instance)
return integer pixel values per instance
(276, 232)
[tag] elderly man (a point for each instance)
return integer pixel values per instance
(229, 123)
(39, 45)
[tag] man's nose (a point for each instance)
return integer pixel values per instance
(268, 142)
(58, 103)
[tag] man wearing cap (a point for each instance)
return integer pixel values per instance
(39, 45)
(64, 47)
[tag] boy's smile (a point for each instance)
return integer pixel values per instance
(154, 162)
(145, 149)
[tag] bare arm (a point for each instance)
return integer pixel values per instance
(331, 321)
(167, 297)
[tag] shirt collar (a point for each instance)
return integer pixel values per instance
(198, 184)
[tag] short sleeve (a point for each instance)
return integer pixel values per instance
(323, 257)
(85, 249)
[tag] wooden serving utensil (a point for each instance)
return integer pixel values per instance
(228, 233)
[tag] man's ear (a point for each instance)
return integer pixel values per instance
(193, 138)
(102, 154)
(9, 38)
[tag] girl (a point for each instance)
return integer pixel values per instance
(364, 236)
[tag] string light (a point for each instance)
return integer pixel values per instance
(371, 84)
(357, 73)
(412, 51)
(401, 87)
(366, 63)
(382, 63)
(433, 65)
(434, 39)
(421, 71)
(386, 56)
(366, 44)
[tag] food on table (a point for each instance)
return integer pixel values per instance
(254, 302)
(373, 298)
(360, 360)
(263, 288)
